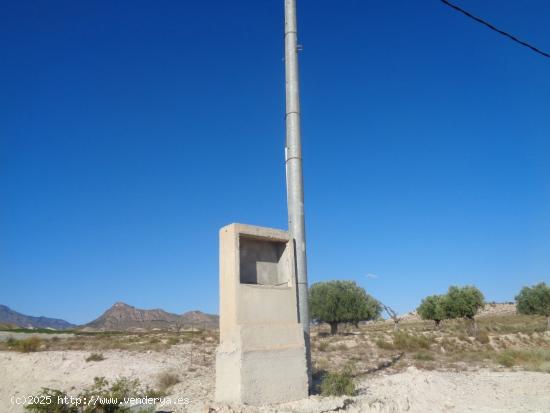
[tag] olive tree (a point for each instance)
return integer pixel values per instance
(336, 302)
(431, 308)
(459, 302)
(534, 300)
(463, 302)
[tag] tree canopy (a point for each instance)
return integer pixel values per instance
(336, 302)
(431, 309)
(462, 302)
(459, 302)
(534, 300)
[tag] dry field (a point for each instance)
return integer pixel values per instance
(504, 368)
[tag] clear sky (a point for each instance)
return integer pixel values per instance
(131, 131)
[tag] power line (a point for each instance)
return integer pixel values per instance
(490, 26)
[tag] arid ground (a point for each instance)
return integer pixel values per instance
(505, 367)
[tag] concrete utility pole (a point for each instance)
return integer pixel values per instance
(294, 178)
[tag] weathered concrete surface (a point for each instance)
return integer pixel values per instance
(261, 358)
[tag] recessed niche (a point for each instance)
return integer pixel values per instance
(262, 262)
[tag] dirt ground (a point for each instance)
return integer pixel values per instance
(410, 390)
(504, 368)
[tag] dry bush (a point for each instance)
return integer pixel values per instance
(95, 357)
(383, 344)
(408, 342)
(483, 337)
(472, 357)
(173, 341)
(322, 364)
(167, 380)
(26, 345)
(423, 356)
(513, 323)
(450, 345)
(536, 360)
(323, 346)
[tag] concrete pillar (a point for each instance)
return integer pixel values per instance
(261, 358)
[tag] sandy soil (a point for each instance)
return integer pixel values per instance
(411, 390)
(24, 374)
(418, 391)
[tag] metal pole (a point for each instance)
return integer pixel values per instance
(294, 178)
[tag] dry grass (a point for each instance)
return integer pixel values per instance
(95, 357)
(483, 337)
(167, 380)
(409, 342)
(424, 356)
(103, 341)
(404, 341)
(26, 345)
(533, 360)
(504, 341)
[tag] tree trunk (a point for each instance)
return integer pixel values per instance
(548, 321)
(473, 327)
(333, 328)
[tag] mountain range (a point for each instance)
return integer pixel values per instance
(120, 317)
(124, 317)
(9, 316)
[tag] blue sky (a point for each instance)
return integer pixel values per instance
(130, 132)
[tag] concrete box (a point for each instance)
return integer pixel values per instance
(261, 358)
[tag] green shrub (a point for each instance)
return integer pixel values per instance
(28, 345)
(506, 359)
(47, 401)
(338, 384)
(109, 394)
(535, 300)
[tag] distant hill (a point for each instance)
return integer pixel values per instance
(201, 320)
(124, 317)
(8, 316)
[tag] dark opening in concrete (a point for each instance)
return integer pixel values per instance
(261, 261)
